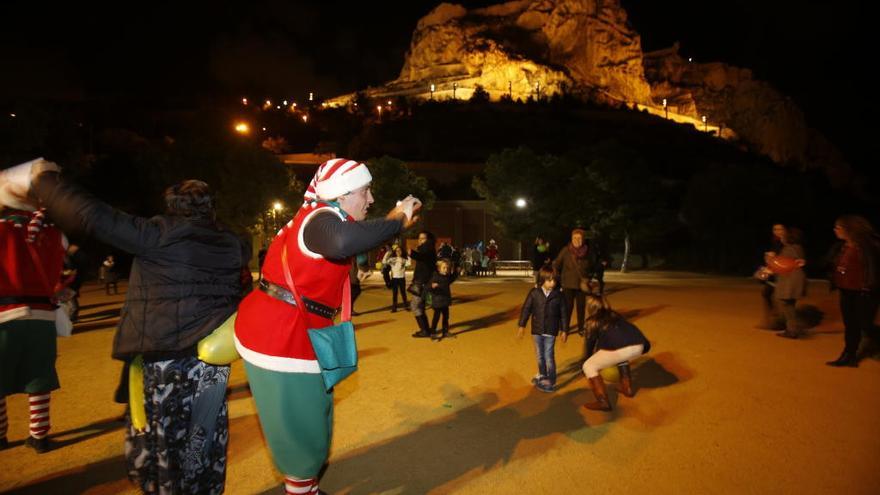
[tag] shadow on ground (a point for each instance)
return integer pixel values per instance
(484, 322)
(448, 451)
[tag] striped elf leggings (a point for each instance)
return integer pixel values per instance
(39, 415)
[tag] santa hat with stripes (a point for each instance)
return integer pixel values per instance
(336, 178)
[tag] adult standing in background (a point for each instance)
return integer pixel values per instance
(540, 256)
(573, 266)
(856, 274)
(425, 256)
(771, 318)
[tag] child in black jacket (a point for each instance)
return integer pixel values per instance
(441, 296)
(547, 308)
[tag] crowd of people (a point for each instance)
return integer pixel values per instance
(190, 279)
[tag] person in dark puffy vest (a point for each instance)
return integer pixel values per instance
(186, 280)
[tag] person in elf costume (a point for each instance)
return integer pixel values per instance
(31, 258)
(305, 281)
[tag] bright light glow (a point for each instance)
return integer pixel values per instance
(12, 115)
(268, 103)
(285, 103)
(432, 88)
(690, 59)
(242, 128)
(379, 109)
(311, 96)
(520, 202)
(704, 119)
(264, 129)
(389, 103)
(277, 206)
(664, 102)
(305, 118)
(278, 107)
(244, 101)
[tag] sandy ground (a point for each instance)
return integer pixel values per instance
(721, 406)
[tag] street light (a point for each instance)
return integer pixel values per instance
(277, 206)
(520, 203)
(705, 124)
(244, 101)
(285, 103)
(305, 118)
(432, 91)
(454, 87)
(665, 108)
(311, 96)
(242, 128)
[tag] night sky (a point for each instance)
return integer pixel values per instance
(169, 53)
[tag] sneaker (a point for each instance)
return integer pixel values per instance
(545, 386)
(41, 445)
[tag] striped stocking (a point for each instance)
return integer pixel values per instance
(39, 404)
(293, 486)
(4, 423)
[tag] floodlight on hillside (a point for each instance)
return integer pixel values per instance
(432, 91)
(242, 128)
(665, 108)
(705, 124)
(520, 203)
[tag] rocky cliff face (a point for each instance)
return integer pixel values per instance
(537, 48)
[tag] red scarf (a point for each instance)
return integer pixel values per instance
(578, 253)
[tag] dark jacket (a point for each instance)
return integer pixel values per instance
(597, 255)
(539, 259)
(426, 262)
(571, 269)
(618, 335)
(547, 313)
(185, 279)
(441, 296)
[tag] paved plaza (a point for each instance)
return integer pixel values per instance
(721, 407)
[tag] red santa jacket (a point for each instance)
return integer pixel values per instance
(31, 260)
(270, 333)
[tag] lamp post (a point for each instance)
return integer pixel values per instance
(311, 96)
(665, 108)
(244, 101)
(521, 204)
(432, 91)
(510, 89)
(242, 128)
(454, 87)
(705, 124)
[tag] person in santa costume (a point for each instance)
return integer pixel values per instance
(308, 262)
(31, 259)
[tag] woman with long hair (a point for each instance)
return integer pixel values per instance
(612, 341)
(856, 273)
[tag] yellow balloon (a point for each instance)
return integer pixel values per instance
(610, 374)
(219, 347)
(136, 394)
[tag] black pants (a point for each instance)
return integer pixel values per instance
(355, 292)
(858, 309)
(437, 313)
(599, 276)
(573, 296)
(398, 285)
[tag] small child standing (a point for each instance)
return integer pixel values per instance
(441, 296)
(546, 306)
(398, 263)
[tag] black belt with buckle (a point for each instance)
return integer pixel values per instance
(282, 294)
(4, 300)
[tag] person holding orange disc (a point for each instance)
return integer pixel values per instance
(791, 282)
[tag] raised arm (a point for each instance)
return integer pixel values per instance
(333, 238)
(74, 208)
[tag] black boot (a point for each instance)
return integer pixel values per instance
(847, 359)
(424, 329)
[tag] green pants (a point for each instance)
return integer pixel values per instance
(296, 414)
(27, 357)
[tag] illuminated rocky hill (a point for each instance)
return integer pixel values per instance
(586, 48)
